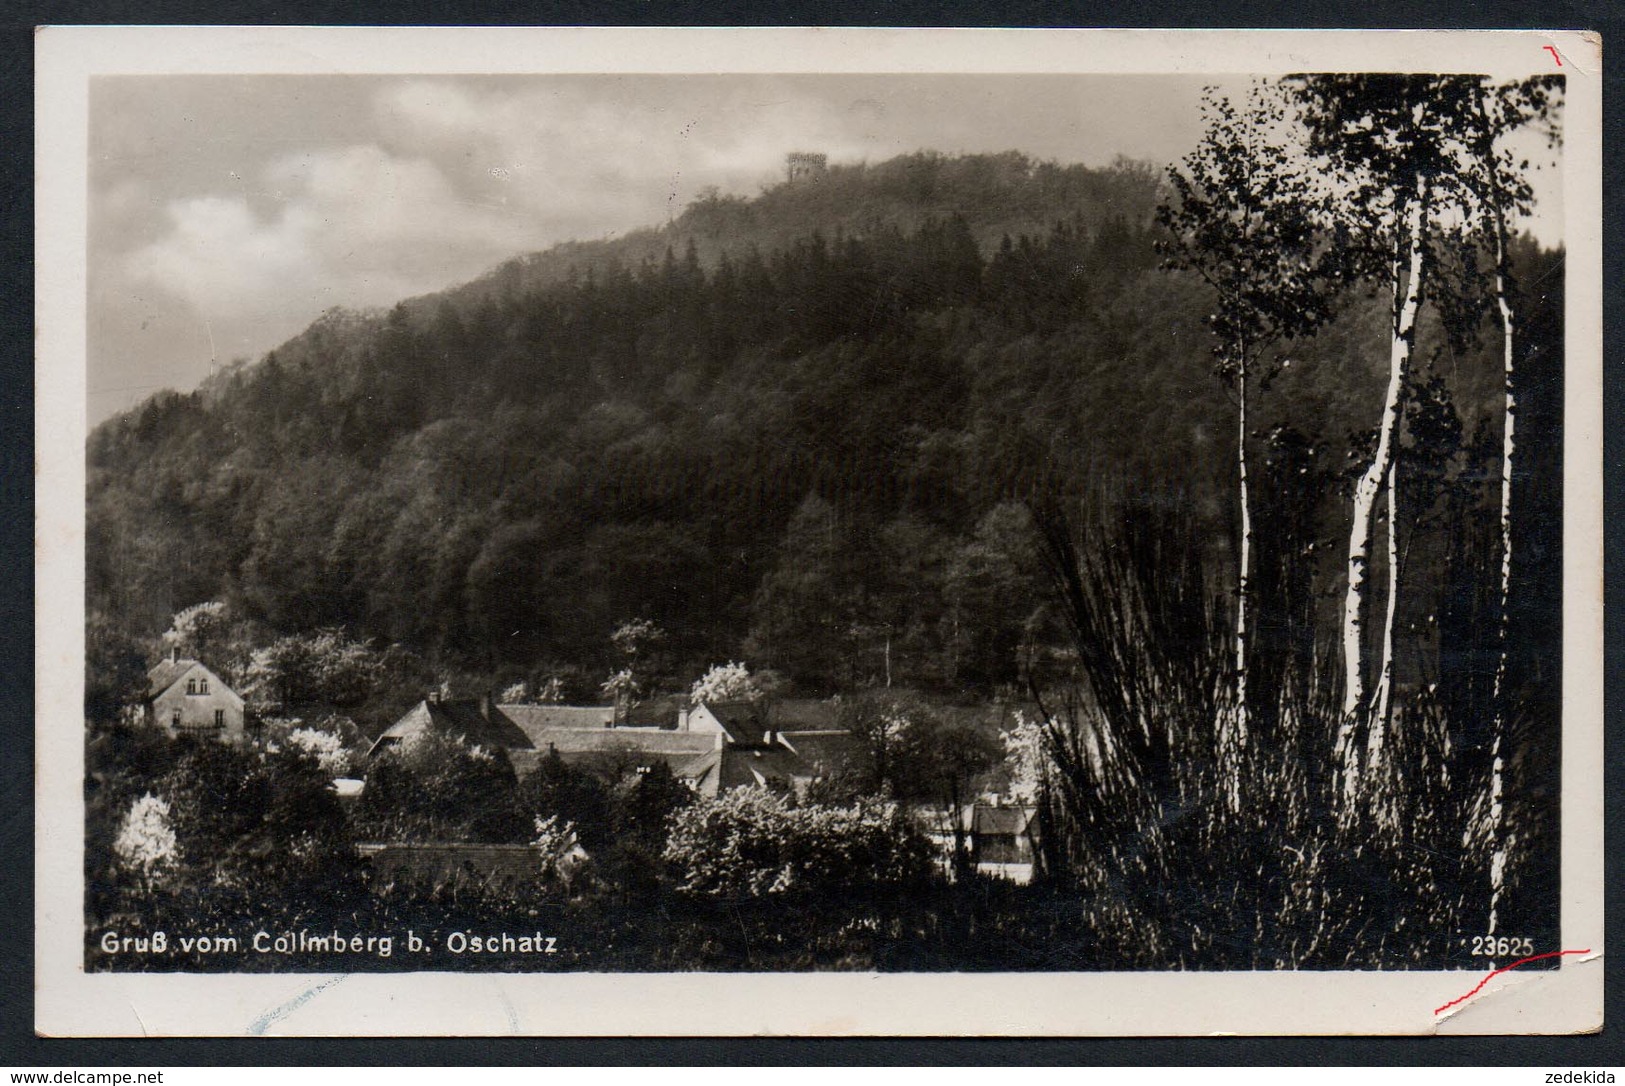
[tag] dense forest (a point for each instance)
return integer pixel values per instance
(798, 428)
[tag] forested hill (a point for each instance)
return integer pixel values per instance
(789, 428)
(996, 195)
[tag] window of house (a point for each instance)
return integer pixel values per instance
(176, 719)
(191, 686)
(203, 686)
(220, 718)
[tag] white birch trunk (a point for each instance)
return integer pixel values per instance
(1365, 500)
(1244, 576)
(1233, 726)
(1382, 695)
(1509, 433)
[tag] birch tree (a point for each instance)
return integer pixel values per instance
(1499, 182)
(1244, 220)
(1391, 147)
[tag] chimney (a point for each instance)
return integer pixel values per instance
(433, 697)
(682, 720)
(174, 654)
(485, 705)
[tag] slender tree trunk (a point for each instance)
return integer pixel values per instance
(1509, 432)
(1345, 751)
(1233, 726)
(1244, 575)
(1382, 696)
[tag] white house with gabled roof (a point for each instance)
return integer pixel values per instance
(185, 698)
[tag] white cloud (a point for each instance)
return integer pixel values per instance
(583, 162)
(354, 226)
(452, 179)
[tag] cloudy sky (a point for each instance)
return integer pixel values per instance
(227, 212)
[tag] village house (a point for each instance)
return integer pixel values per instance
(1002, 839)
(1000, 836)
(711, 746)
(476, 720)
(754, 748)
(184, 697)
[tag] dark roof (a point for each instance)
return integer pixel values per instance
(1002, 821)
(732, 767)
(534, 719)
(463, 718)
(828, 750)
(744, 721)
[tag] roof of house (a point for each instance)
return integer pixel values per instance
(660, 712)
(535, 719)
(167, 672)
(464, 718)
(609, 748)
(654, 740)
(732, 767)
(744, 721)
(1002, 821)
(828, 749)
(162, 675)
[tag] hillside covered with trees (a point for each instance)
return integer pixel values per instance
(801, 432)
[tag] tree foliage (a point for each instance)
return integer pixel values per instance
(752, 842)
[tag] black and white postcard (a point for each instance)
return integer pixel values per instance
(740, 532)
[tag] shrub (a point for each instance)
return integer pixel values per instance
(439, 788)
(556, 789)
(751, 842)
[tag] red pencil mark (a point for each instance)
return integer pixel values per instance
(1552, 49)
(1503, 969)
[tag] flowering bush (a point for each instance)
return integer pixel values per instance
(328, 749)
(550, 692)
(1024, 754)
(562, 854)
(145, 846)
(322, 668)
(751, 842)
(621, 685)
(726, 682)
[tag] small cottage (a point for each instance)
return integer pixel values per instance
(184, 697)
(475, 720)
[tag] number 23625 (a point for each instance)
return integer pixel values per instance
(1502, 946)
